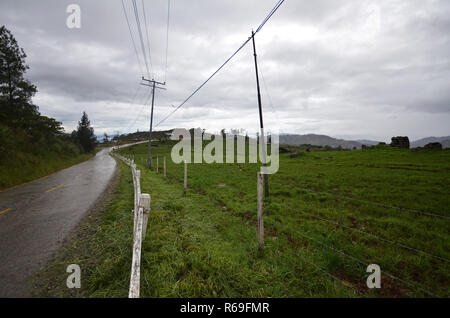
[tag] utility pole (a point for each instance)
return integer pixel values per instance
(262, 142)
(153, 86)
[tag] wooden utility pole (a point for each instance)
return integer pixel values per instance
(153, 86)
(262, 141)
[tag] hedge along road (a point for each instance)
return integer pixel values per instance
(37, 216)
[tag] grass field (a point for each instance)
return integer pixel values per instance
(204, 244)
(328, 216)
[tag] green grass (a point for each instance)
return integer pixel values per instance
(204, 243)
(28, 167)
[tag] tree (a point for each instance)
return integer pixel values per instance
(105, 138)
(85, 134)
(15, 91)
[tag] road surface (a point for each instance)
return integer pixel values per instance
(37, 216)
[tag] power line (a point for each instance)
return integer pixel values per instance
(268, 93)
(138, 23)
(167, 38)
(144, 102)
(204, 83)
(269, 15)
(148, 38)
(131, 35)
(226, 62)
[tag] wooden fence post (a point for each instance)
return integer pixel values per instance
(157, 164)
(137, 193)
(144, 202)
(164, 166)
(185, 176)
(260, 211)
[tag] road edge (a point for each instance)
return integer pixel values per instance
(39, 282)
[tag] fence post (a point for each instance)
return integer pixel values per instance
(164, 166)
(137, 193)
(136, 260)
(185, 176)
(260, 211)
(144, 202)
(157, 164)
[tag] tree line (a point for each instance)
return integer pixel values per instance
(22, 127)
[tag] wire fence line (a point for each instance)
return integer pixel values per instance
(413, 249)
(402, 209)
(355, 290)
(411, 285)
(392, 276)
(344, 283)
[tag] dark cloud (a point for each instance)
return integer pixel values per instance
(360, 69)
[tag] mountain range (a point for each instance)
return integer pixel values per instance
(445, 141)
(323, 140)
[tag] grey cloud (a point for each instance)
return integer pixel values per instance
(328, 65)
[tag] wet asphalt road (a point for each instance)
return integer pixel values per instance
(37, 216)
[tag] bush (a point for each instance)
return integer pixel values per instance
(71, 149)
(7, 144)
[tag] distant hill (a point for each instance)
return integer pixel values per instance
(141, 136)
(318, 140)
(445, 141)
(368, 142)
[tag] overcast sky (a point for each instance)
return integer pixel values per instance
(351, 69)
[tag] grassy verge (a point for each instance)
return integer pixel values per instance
(31, 167)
